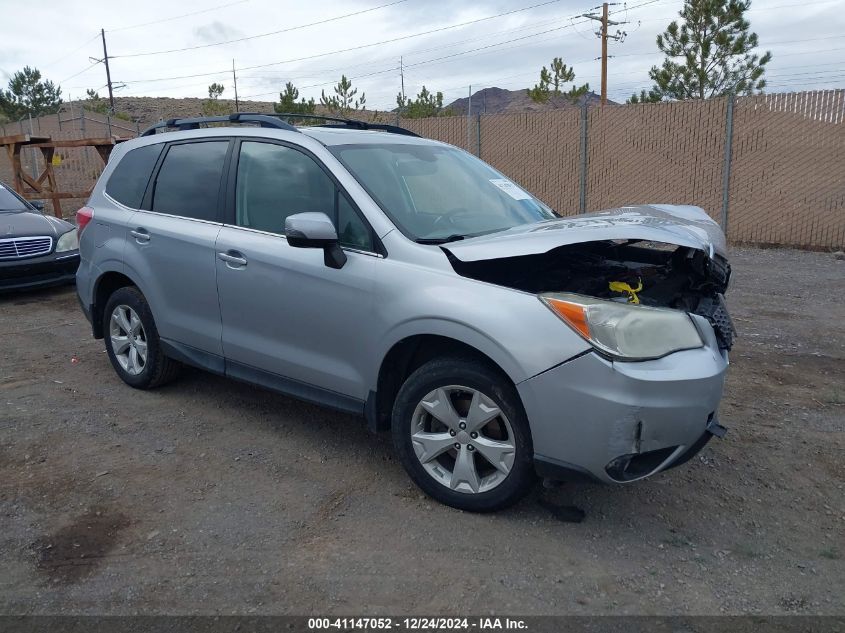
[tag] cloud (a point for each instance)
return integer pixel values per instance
(216, 31)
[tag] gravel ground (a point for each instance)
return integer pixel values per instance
(213, 497)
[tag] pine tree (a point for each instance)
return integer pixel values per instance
(212, 106)
(344, 100)
(288, 102)
(427, 104)
(552, 80)
(713, 46)
(27, 94)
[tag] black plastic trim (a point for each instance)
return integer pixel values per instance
(264, 120)
(350, 123)
(294, 388)
(194, 357)
(557, 470)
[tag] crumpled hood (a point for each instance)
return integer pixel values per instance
(681, 225)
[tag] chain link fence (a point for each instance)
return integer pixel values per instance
(769, 168)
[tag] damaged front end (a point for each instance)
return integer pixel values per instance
(648, 274)
(658, 256)
(639, 284)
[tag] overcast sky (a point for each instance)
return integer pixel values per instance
(807, 40)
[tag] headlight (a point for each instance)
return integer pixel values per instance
(630, 332)
(68, 242)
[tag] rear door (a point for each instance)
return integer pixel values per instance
(170, 246)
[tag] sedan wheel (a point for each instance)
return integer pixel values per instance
(128, 339)
(462, 439)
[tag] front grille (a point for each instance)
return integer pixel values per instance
(21, 247)
(716, 312)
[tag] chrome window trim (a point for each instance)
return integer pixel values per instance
(178, 217)
(284, 237)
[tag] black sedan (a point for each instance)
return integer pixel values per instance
(36, 250)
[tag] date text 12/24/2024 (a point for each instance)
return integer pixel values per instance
(416, 624)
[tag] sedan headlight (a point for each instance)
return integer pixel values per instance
(623, 330)
(68, 241)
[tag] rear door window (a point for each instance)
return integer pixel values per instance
(129, 179)
(189, 179)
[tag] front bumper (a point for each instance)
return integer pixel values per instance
(38, 272)
(592, 418)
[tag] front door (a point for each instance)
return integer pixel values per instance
(286, 315)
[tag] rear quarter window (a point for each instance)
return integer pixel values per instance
(130, 178)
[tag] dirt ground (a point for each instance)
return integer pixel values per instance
(213, 497)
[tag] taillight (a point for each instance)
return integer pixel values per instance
(83, 217)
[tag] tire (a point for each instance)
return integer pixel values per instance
(145, 372)
(439, 454)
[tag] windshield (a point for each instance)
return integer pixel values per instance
(9, 201)
(435, 193)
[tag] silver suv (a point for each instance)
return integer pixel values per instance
(402, 279)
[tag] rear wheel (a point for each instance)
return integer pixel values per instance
(132, 341)
(462, 435)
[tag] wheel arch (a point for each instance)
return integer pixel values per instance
(410, 352)
(104, 287)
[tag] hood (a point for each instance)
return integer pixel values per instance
(26, 223)
(671, 224)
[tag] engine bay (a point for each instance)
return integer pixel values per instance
(646, 273)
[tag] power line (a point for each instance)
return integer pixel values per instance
(395, 39)
(87, 68)
(369, 45)
(353, 48)
(75, 50)
(253, 37)
(176, 17)
(436, 59)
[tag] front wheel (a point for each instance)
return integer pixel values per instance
(462, 435)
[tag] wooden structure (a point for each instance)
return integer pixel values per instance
(43, 186)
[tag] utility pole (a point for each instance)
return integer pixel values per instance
(402, 91)
(235, 78)
(619, 36)
(402, 78)
(108, 72)
(469, 116)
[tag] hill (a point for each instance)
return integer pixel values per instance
(149, 110)
(500, 101)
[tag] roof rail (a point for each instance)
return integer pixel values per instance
(353, 123)
(263, 120)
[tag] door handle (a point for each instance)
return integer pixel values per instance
(233, 259)
(140, 235)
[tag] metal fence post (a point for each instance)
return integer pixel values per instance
(582, 204)
(478, 134)
(726, 170)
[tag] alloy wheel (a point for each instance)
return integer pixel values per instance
(463, 440)
(128, 340)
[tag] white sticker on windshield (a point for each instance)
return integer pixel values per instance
(510, 188)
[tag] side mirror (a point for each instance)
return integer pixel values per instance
(38, 204)
(315, 230)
